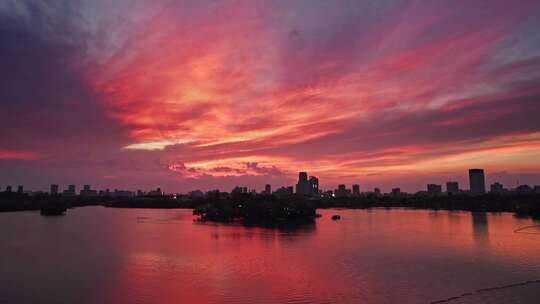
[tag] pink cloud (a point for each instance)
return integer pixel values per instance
(254, 90)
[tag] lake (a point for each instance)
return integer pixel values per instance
(108, 255)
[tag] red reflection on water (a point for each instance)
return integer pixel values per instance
(369, 256)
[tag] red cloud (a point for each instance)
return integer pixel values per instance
(263, 89)
(17, 155)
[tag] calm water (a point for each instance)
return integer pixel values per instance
(102, 255)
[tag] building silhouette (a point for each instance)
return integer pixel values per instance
(313, 185)
(302, 186)
(434, 189)
(452, 188)
(155, 193)
(237, 190)
(54, 189)
(496, 188)
(523, 189)
(196, 194)
(356, 190)
(70, 191)
(307, 186)
(119, 193)
(477, 181)
(88, 192)
(284, 191)
(342, 191)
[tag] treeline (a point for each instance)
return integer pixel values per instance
(258, 207)
(257, 210)
(21, 202)
(522, 204)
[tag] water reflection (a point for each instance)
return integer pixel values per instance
(238, 231)
(163, 256)
(480, 228)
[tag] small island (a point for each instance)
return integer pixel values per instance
(254, 211)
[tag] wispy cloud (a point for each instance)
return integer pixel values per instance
(214, 91)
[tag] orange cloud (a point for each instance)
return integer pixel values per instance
(237, 85)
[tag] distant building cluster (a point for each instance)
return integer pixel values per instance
(309, 186)
(87, 191)
(306, 186)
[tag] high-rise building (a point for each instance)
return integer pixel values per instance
(377, 191)
(20, 189)
(452, 188)
(356, 190)
(396, 192)
(496, 188)
(434, 189)
(305, 186)
(313, 185)
(268, 189)
(8, 189)
(54, 189)
(302, 187)
(477, 181)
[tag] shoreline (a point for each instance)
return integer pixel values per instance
(401, 206)
(264, 208)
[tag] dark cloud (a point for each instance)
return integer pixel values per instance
(333, 86)
(44, 98)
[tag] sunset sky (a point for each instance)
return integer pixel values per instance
(185, 95)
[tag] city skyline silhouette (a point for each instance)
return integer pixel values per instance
(269, 151)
